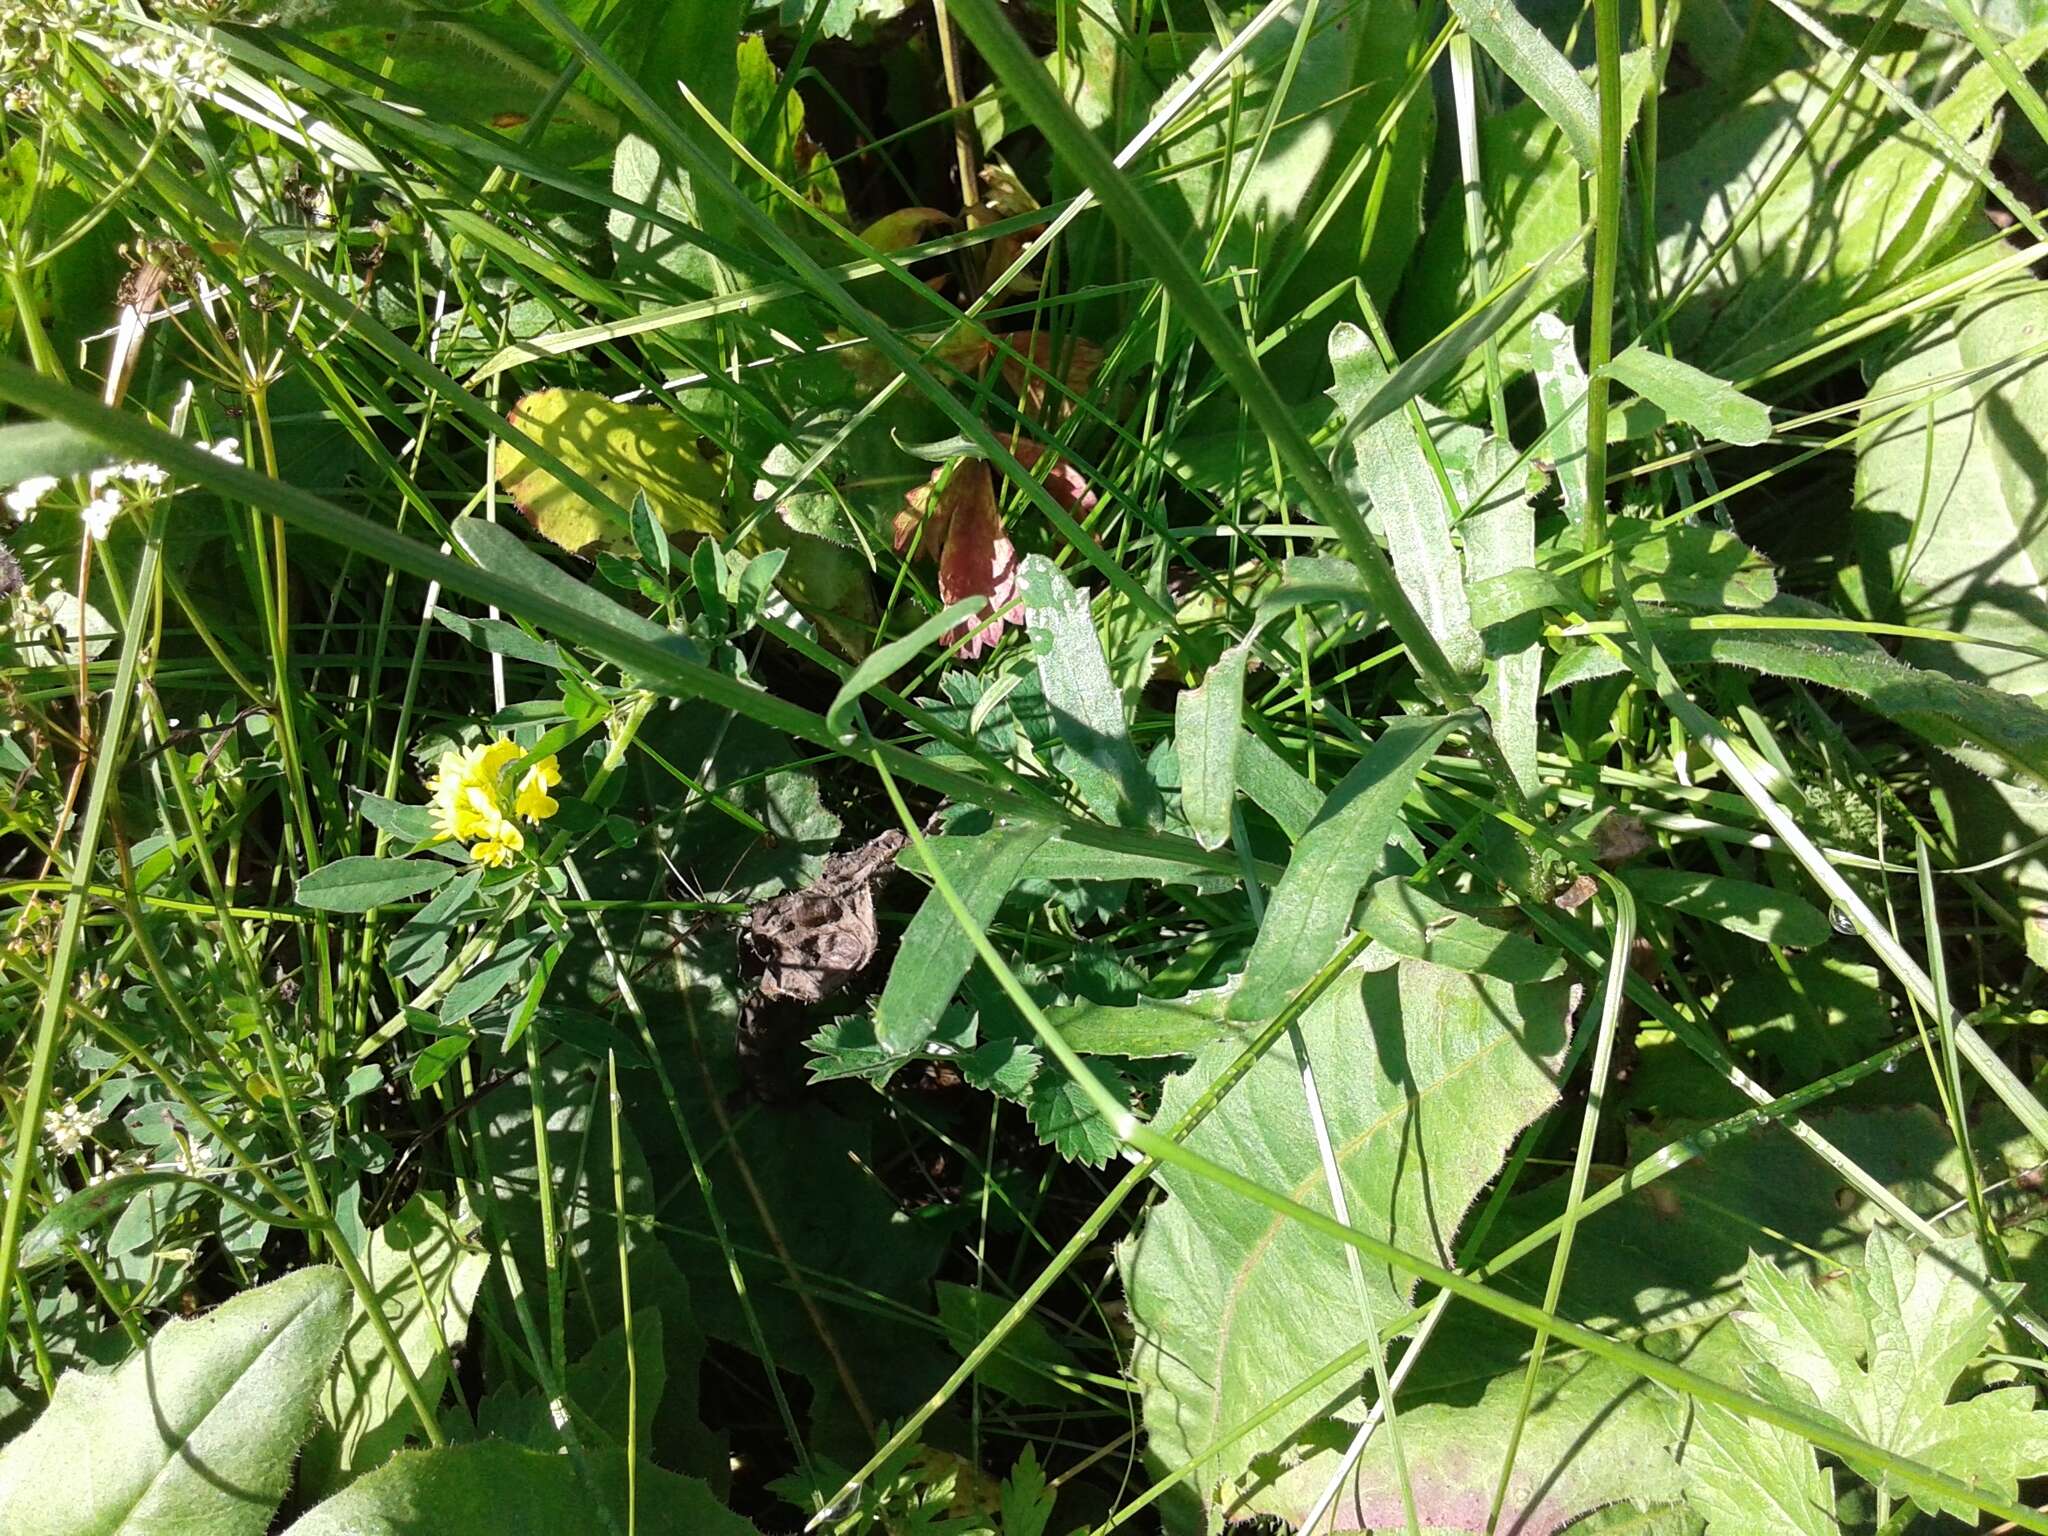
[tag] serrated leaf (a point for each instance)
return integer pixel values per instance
(359, 883)
(1881, 1356)
(424, 1267)
(194, 1432)
(1760, 912)
(936, 952)
(1067, 1119)
(1425, 1077)
(1087, 709)
(1414, 924)
(1027, 1498)
(492, 1489)
(1754, 1479)
(1693, 396)
(1206, 727)
(1311, 907)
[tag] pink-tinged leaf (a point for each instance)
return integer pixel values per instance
(960, 523)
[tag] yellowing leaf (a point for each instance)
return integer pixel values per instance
(620, 449)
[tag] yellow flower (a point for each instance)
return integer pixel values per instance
(470, 795)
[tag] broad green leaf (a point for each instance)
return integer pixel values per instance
(1150, 1027)
(492, 1489)
(1206, 728)
(425, 1267)
(1023, 1365)
(1752, 1479)
(418, 949)
(1386, 462)
(1948, 495)
(1596, 1436)
(935, 954)
(503, 639)
(1311, 907)
(1759, 912)
(1087, 709)
(1685, 393)
(483, 67)
(358, 883)
(1532, 61)
(195, 1432)
(1881, 1357)
(1412, 923)
(1691, 565)
(783, 145)
(649, 258)
(1865, 200)
(1425, 1076)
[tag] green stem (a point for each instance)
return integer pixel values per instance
(64, 957)
(1606, 257)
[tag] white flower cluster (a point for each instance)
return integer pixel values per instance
(111, 489)
(177, 61)
(68, 1127)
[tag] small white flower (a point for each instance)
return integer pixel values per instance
(99, 514)
(68, 1127)
(24, 498)
(228, 450)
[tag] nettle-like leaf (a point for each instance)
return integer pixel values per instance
(1425, 1076)
(1880, 1356)
(194, 1432)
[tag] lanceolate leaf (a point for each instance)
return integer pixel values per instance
(1087, 710)
(1311, 907)
(936, 953)
(1741, 906)
(1205, 734)
(1532, 61)
(195, 1432)
(1386, 461)
(1561, 387)
(357, 884)
(1685, 393)
(1425, 1076)
(1181, 1026)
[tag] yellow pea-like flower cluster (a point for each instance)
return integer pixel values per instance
(471, 799)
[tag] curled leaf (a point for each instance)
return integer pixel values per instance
(959, 522)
